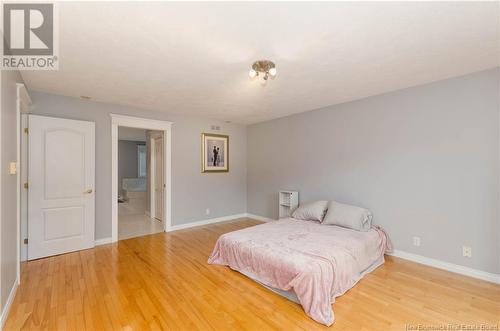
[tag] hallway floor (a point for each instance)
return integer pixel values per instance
(136, 225)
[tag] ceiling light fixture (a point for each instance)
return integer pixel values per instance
(263, 68)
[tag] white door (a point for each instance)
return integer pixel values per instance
(61, 186)
(159, 178)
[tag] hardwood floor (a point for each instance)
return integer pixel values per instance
(163, 282)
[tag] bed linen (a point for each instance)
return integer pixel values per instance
(314, 262)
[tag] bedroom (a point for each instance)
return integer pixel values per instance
(324, 165)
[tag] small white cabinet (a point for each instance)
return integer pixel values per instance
(288, 202)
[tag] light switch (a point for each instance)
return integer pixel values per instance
(13, 168)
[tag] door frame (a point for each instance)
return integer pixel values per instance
(148, 124)
(152, 171)
(152, 177)
(22, 97)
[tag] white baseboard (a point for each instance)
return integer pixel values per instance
(103, 241)
(6, 308)
(259, 218)
(205, 222)
(487, 276)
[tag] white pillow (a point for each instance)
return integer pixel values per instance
(312, 211)
(348, 216)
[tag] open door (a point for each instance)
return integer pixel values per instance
(159, 182)
(61, 170)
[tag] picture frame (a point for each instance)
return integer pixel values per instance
(214, 153)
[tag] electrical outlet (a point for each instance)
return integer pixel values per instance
(416, 241)
(467, 251)
(207, 211)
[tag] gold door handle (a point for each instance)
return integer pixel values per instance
(88, 191)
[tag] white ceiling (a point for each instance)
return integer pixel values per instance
(193, 58)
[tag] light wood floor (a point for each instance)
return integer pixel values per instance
(163, 282)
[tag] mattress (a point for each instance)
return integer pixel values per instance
(292, 296)
(305, 261)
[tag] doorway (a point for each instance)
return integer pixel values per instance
(140, 164)
(141, 182)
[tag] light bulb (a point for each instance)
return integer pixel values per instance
(272, 72)
(252, 73)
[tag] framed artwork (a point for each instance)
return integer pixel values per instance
(214, 152)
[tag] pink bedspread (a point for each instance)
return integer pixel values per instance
(318, 262)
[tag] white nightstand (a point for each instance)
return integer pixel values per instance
(288, 202)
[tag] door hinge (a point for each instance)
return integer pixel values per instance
(26, 185)
(26, 130)
(25, 241)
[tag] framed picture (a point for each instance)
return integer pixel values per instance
(214, 152)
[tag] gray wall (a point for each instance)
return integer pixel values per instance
(193, 192)
(425, 160)
(8, 221)
(127, 160)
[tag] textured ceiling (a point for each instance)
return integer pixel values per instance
(193, 58)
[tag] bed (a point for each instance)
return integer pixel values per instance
(305, 261)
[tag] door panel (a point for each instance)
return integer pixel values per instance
(60, 223)
(60, 183)
(159, 178)
(61, 200)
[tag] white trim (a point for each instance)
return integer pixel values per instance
(217, 220)
(152, 194)
(152, 187)
(1, 166)
(103, 241)
(148, 124)
(259, 218)
(18, 182)
(22, 96)
(23, 170)
(206, 222)
(8, 304)
(114, 182)
(109, 240)
(498, 187)
(490, 277)
(140, 122)
(24, 93)
(167, 210)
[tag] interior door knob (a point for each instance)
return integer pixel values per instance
(88, 191)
